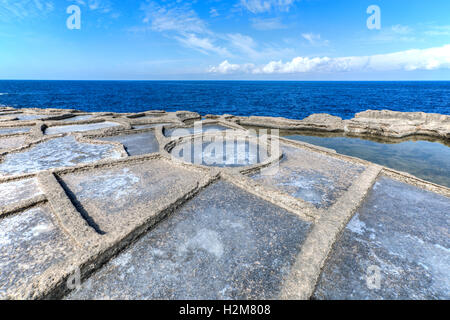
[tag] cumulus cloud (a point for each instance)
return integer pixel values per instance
(259, 6)
(227, 68)
(415, 59)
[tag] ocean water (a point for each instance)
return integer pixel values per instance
(290, 99)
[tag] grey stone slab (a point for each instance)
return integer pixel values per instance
(181, 132)
(223, 244)
(114, 197)
(19, 190)
(401, 232)
(136, 144)
(30, 242)
(311, 176)
(80, 127)
(55, 153)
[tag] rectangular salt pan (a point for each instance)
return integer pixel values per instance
(314, 177)
(13, 142)
(80, 127)
(136, 144)
(111, 198)
(17, 191)
(30, 243)
(223, 244)
(12, 130)
(78, 118)
(400, 238)
(56, 153)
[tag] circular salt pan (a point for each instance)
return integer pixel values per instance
(220, 153)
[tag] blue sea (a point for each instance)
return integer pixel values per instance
(290, 99)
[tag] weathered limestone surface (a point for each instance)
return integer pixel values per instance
(400, 124)
(378, 123)
(102, 195)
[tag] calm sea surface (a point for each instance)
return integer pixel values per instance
(294, 100)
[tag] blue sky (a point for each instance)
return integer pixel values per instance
(214, 39)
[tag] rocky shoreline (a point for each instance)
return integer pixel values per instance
(385, 123)
(376, 123)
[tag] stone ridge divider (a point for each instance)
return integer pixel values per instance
(22, 205)
(305, 272)
(299, 207)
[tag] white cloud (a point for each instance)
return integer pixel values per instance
(182, 23)
(226, 68)
(400, 29)
(243, 43)
(415, 59)
(267, 24)
(179, 19)
(102, 6)
(314, 39)
(13, 10)
(213, 13)
(438, 31)
(259, 6)
(204, 45)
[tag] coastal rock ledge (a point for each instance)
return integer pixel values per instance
(385, 123)
(115, 206)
